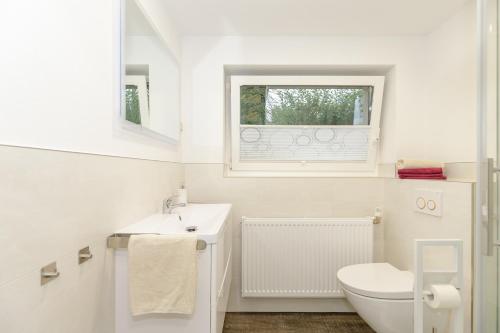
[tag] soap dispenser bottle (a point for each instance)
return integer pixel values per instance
(182, 195)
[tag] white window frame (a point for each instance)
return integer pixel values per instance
(302, 168)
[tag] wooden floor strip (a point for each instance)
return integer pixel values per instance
(294, 322)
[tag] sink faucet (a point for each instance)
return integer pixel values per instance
(169, 204)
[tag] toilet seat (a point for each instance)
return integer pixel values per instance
(377, 280)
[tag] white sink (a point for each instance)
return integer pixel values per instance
(209, 219)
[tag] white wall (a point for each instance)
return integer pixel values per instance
(432, 78)
(59, 78)
(445, 127)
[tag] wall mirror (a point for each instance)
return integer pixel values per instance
(149, 76)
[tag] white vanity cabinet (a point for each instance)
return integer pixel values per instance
(214, 274)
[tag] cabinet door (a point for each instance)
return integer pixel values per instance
(198, 322)
(222, 273)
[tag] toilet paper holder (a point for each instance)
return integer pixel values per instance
(429, 293)
(419, 292)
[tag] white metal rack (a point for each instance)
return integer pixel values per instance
(458, 282)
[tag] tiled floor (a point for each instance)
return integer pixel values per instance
(295, 323)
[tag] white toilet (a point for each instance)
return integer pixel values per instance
(381, 294)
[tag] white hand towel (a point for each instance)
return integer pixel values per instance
(163, 272)
(414, 164)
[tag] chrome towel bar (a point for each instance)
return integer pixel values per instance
(120, 241)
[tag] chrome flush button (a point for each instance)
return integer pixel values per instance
(421, 203)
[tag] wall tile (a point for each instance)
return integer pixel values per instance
(53, 204)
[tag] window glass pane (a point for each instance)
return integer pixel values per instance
(311, 105)
(253, 105)
(133, 112)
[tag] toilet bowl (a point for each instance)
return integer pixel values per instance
(381, 294)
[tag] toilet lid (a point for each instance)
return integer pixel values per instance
(378, 280)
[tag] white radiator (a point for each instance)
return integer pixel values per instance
(300, 257)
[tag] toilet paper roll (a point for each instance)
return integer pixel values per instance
(182, 196)
(444, 296)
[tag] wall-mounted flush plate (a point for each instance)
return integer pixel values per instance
(84, 255)
(429, 202)
(48, 273)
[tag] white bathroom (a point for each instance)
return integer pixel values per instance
(232, 166)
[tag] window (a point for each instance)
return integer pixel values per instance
(304, 123)
(136, 99)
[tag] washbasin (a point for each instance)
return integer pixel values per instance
(208, 218)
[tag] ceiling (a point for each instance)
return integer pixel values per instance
(309, 17)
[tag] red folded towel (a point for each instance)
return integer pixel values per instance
(420, 176)
(423, 171)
